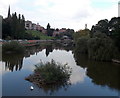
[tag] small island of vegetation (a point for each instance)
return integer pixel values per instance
(50, 73)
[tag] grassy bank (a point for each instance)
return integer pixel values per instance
(39, 35)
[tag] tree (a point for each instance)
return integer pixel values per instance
(101, 26)
(110, 28)
(49, 30)
(13, 26)
(9, 15)
(6, 28)
(81, 33)
(101, 47)
(114, 27)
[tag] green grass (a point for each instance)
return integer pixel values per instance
(39, 35)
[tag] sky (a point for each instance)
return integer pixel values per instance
(73, 14)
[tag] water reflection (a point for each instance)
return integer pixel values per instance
(101, 73)
(51, 89)
(13, 61)
(49, 49)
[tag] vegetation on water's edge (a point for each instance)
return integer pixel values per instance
(13, 47)
(99, 47)
(50, 73)
(101, 43)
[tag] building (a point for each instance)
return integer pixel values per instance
(33, 26)
(86, 26)
(119, 9)
(39, 28)
(57, 32)
(63, 30)
(28, 25)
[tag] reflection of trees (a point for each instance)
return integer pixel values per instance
(51, 89)
(0, 53)
(101, 73)
(32, 50)
(13, 61)
(50, 46)
(105, 74)
(48, 49)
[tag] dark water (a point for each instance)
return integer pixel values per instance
(88, 78)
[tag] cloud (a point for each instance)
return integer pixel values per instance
(63, 13)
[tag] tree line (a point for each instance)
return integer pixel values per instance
(110, 28)
(13, 27)
(101, 42)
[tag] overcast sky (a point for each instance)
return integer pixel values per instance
(72, 14)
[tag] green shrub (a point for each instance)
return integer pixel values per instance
(81, 45)
(53, 72)
(50, 76)
(50, 73)
(101, 48)
(12, 47)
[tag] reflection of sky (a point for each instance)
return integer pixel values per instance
(63, 57)
(81, 83)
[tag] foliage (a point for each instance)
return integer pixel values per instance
(14, 26)
(12, 47)
(50, 76)
(81, 45)
(101, 47)
(81, 33)
(110, 28)
(49, 30)
(53, 72)
(69, 33)
(101, 73)
(101, 26)
(115, 30)
(37, 35)
(14, 61)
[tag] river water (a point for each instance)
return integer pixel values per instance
(89, 78)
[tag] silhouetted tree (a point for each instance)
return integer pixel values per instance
(49, 30)
(13, 26)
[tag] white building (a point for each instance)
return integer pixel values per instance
(33, 26)
(28, 25)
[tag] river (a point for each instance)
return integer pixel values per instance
(89, 78)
